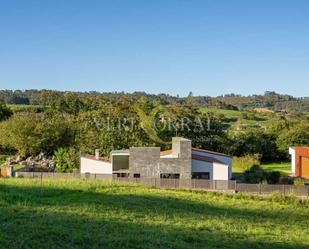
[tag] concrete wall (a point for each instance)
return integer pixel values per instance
(95, 166)
(146, 161)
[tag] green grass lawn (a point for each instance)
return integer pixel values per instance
(97, 214)
(283, 167)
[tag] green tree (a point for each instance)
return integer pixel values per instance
(5, 112)
(293, 135)
(30, 135)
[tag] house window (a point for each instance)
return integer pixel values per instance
(201, 175)
(169, 176)
(137, 175)
(121, 174)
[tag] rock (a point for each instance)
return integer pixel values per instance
(19, 159)
(41, 156)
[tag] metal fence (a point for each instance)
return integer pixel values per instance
(62, 175)
(217, 185)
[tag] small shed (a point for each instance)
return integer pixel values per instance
(300, 161)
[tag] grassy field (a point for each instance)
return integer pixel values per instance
(97, 214)
(283, 167)
(242, 118)
(23, 108)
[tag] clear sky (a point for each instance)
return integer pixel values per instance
(207, 47)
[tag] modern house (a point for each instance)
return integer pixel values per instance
(182, 161)
(300, 161)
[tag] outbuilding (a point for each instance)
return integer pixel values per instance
(300, 161)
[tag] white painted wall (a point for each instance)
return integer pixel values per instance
(220, 171)
(225, 159)
(95, 166)
(217, 171)
(292, 153)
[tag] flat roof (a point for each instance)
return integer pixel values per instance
(211, 152)
(207, 159)
(120, 152)
(105, 159)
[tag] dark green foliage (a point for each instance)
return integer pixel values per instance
(257, 175)
(273, 177)
(254, 175)
(296, 134)
(5, 112)
(30, 135)
(254, 141)
(271, 100)
(66, 159)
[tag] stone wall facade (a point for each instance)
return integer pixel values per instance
(146, 161)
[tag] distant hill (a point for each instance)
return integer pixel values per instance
(271, 101)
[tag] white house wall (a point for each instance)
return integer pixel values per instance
(292, 153)
(225, 159)
(217, 171)
(95, 166)
(220, 171)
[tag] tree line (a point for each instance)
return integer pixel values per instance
(270, 100)
(70, 123)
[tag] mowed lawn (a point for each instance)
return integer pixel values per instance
(283, 167)
(97, 214)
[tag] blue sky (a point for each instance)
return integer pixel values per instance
(207, 47)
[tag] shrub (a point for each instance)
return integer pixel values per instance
(254, 175)
(5, 112)
(257, 175)
(300, 182)
(67, 160)
(273, 177)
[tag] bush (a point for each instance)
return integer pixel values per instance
(5, 112)
(67, 160)
(273, 177)
(254, 175)
(257, 175)
(300, 182)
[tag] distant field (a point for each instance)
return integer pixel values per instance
(227, 113)
(23, 108)
(243, 118)
(96, 214)
(284, 167)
